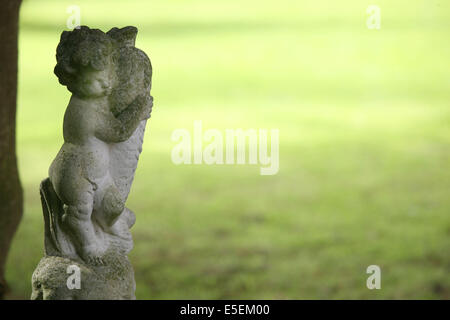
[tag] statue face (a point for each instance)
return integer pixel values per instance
(95, 84)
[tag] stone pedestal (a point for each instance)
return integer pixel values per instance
(55, 278)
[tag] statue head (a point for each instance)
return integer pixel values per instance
(84, 62)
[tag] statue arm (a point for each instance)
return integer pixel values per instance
(122, 126)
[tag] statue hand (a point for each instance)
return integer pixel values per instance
(144, 103)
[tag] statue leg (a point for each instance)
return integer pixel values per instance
(112, 205)
(78, 220)
(117, 219)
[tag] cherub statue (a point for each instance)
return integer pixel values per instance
(90, 178)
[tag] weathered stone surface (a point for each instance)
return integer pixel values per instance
(83, 200)
(113, 281)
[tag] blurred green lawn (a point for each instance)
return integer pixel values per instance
(364, 121)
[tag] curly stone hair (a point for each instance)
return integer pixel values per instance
(92, 49)
(81, 49)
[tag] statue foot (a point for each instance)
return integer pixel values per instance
(92, 255)
(94, 261)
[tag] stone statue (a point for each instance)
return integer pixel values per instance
(83, 200)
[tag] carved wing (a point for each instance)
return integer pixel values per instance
(124, 157)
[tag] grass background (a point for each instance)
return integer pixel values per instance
(364, 121)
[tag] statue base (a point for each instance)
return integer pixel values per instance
(58, 278)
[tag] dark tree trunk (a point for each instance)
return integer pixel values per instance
(10, 189)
